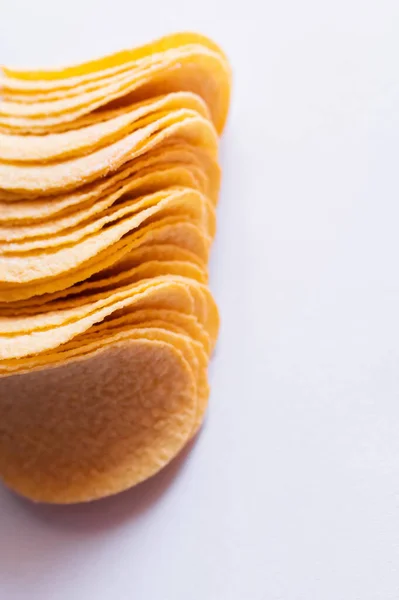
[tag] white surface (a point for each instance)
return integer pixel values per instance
(292, 490)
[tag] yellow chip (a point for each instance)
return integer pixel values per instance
(39, 210)
(134, 260)
(28, 80)
(47, 179)
(65, 319)
(193, 68)
(125, 329)
(19, 268)
(62, 146)
(127, 212)
(71, 310)
(97, 425)
(170, 230)
(161, 179)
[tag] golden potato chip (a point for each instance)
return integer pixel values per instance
(163, 318)
(71, 309)
(61, 146)
(193, 68)
(70, 174)
(41, 210)
(30, 266)
(33, 334)
(191, 349)
(97, 425)
(138, 258)
(170, 230)
(64, 325)
(59, 78)
(145, 184)
(173, 200)
(82, 86)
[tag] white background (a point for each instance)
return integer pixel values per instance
(291, 492)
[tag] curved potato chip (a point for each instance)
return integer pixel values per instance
(23, 336)
(42, 339)
(55, 78)
(136, 210)
(70, 174)
(24, 211)
(134, 260)
(21, 269)
(61, 146)
(170, 230)
(139, 186)
(96, 425)
(192, 350)
(82, 85)
(194, 68)
(101, 337)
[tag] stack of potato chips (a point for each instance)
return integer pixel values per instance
(109, 180)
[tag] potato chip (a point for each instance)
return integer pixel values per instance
(57, 78)
(138, 258)
(30, 334)
(192, 350)
(68, 310)
(57, 146)
(162, 179)
(70, 174)
(185, 70)
(176, 199)
(169, 230)
(17, 267)
(96, 426)
(43, 209)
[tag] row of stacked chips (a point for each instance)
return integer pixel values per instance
(109, 180)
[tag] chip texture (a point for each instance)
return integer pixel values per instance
(109, 183)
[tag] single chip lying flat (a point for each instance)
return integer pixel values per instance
(109, 182)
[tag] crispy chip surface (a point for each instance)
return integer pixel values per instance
(109, 183)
